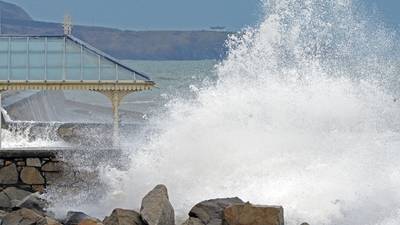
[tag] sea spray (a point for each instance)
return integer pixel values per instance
(304, 114)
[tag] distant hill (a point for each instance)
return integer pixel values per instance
(140, 45)
(8, 10)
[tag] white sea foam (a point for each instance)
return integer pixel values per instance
(303, 115)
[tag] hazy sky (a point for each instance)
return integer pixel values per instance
(166, 14)
(147, 14)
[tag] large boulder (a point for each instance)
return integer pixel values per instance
(74, 218)
(123, 217)
(156, 208)
(27, 217)
(248, 214)
(211, 212)
(11, 196)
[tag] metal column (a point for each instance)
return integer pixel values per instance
(115, 101)
(116, 98)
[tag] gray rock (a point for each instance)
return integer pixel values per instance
(35, 162)
(74, 218)
(9, 174)
(23, 217)
(16, 194)
(53, 167)
(193, 221)
(211, 212)
(248, 214)
(156, 208)
(11, 196)
(5, 202)
(123, 217)
(2, 215)
(304, 224)
(33, 202)
(31, 175)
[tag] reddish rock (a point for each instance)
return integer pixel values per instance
(90, 221)
(211, 212)
(123, 217)
(248, 214)
(30, 175)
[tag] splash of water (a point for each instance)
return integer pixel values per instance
(303, 115)
(31, 134)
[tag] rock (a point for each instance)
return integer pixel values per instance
(248, 214)
(38, 188)
(11, 196)
(53, 167)
(193, 221)
(90, 221)
(31, 175)
(27, 217)
(33, 202)
(156, 208)
(123, 217)
(5, 202)
(34, 162)
(16, 194)
(9, 174)
(304, 224)
(2, 215)
(53, 177)
(74, 218)
(20, 163)
(211, 212)
(22, 216)
(49, 221)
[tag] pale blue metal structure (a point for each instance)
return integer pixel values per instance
(59, 58)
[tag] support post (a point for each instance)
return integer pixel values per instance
(116, 98)
(116, 101)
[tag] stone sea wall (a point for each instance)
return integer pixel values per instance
(30, 171)
(59, 171)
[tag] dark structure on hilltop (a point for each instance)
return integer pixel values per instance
(124, 44)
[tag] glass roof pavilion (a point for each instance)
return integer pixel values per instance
(59, 59)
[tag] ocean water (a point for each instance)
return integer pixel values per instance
(173, 78)
(302, 113)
